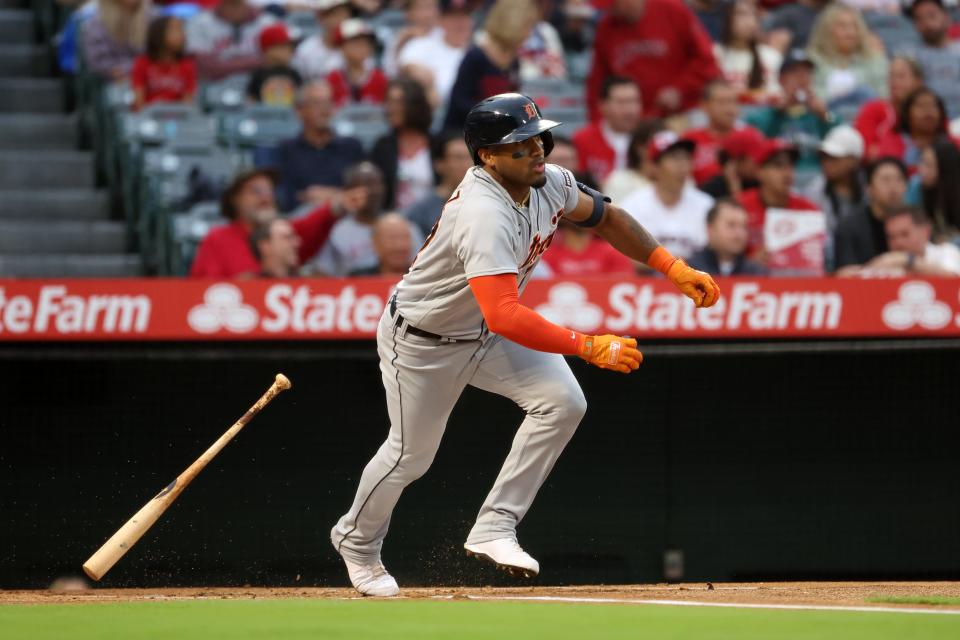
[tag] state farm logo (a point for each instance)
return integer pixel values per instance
(916, 304)
(568, 306)
(223, 308)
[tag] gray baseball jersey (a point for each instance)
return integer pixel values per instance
(481, 232)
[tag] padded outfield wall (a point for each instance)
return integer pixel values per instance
(755, 460)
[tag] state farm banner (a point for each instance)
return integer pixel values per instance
(181, 309)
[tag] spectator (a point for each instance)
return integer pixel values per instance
(577, 252)
(275, 82)
(622, 182)
(319, 54)
(311, 165)
(923, 121)
(746, 63)
(935, 187)
(226, 253)
(451, 161)
(350, 247)
(720, 106)
(727, 237)
(359, 80)
(802, 117)
(542, 55)
(564, 154)
(276, 247)
(878, 117)
(491, 66)
(573, 20)
(423, 20)
(789, 25)
(851, 67)
(392, 238)
(672, 209)
(861, 237)
(163, 74)
(114, 36)
(775, 161)
(434, 61)
(738, 171)
(938, 56)
(603, 145)
(838, 191)
(224, 40)
(403, 155)
(661, 46)
(908, 231)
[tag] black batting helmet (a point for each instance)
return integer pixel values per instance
(506, 118)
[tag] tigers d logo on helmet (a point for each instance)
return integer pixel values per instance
(531, 110)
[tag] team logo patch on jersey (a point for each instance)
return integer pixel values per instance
(531, 110)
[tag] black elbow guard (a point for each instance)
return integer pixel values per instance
(598, 200)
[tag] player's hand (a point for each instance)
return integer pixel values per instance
(696, 285)
(612, 352)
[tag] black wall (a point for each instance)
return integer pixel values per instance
(782, 461)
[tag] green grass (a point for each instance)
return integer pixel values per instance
(425, 620)
(914, 599)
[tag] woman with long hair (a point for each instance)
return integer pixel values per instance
(851, 67)
(164, 73)
(747, 64)
(403, 155)
(935, 188)
(878, 117)
(115, 36)
(491, 65)
(922, 122)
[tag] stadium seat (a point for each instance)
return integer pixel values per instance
(572, 118)
(189, 230)
(365, 122)
(228, 94)
(895, 30)
(256, 126)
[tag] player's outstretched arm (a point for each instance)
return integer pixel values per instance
(628, 236)
(498, 298)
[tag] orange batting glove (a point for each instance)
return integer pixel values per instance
(696, 285)
(611, 352)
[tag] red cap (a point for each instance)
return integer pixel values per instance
(741, 142)
(666, 141)
(762, 153)
(274, 36)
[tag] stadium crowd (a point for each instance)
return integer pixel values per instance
(699, 118)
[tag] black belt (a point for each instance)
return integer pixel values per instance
(412, 329)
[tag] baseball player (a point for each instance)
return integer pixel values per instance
(455, 320)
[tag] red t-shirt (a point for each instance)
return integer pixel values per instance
(596, 156)
(705, 165)
(599, 258)
(373, 90)
(757, 213)
(875, 121)
(667, 47)
(164, 81)
(225, 252)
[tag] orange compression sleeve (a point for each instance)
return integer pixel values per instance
(499, 302)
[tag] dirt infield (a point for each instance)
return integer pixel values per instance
(764, 593)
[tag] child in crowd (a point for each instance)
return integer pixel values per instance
(360, 80)
(164, 73)
(275, 82)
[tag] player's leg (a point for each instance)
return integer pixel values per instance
(545, 388)
(423, 381)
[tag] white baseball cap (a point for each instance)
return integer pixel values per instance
(842, 142)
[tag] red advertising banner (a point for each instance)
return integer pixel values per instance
(181, 309)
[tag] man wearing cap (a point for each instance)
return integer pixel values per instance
(275, 82)
(437, 59)
(224, 40)
(672, 208)
(738, 171)
(661, 45)
(359, 80)
(775, 160)
(319, 54)
(838, 191)
(226, 253)
(938, 56)
(802, 118)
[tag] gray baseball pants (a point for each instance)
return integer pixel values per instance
(423, 380)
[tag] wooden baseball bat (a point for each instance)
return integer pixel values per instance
(120, 542)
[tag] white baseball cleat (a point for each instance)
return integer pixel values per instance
(507, 555)
(372, 579)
